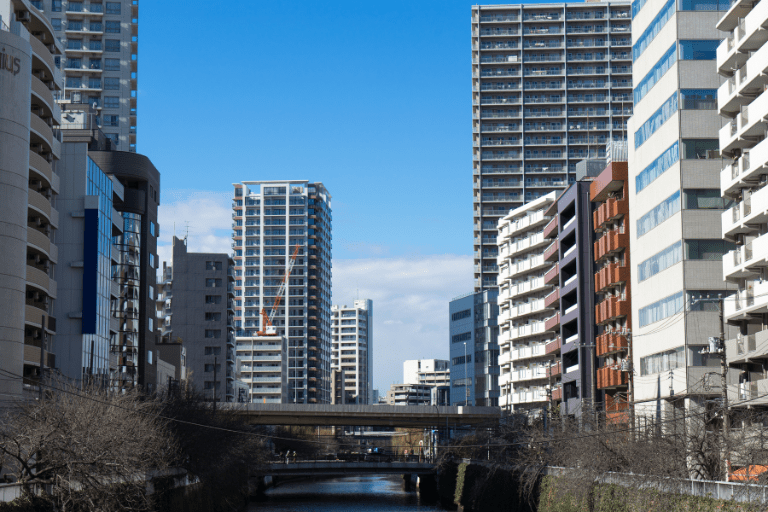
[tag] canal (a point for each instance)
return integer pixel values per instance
(363, 493)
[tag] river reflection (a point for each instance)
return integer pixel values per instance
(366, 493)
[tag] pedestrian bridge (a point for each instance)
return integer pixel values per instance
(418, 416)
(338, 467)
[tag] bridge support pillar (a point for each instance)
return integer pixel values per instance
(428, 487)
(408, 482)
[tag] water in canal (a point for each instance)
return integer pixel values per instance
(350, 494)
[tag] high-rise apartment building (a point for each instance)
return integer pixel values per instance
(430, 372)
(276, 224)
(551, 85)
(741, 59)
(674, 197)
(525, 340)
(100, 65)
(352, 338)
(30, 148)
(197, 309)
(474, 351)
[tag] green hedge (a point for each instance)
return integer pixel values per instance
(613, 498)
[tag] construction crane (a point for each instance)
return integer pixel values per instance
(266, 320)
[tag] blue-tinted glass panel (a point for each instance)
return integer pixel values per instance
(662, 260)
(699, 49)
(653, 29)
(661, 309)
(655, 74)
(698, 99)
(666, 160)
(703, 5)
(656, 120)
(658, 214)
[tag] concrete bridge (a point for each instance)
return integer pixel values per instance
(340, 468)
(420, 416)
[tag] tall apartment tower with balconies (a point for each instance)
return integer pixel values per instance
(527, 334)
(551, 85)
(100, 39)
(30, 148)
(352, 335)
(742, 59)
(272, 222)
(674, 200)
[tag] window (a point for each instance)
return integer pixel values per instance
(460, 360)
(112, 64)
(213, 283)
(213, 299)
(151, 291)
(75, 25)
(213, 333)
(656, 120)
(74, 44)
(654, 75)
(74, 82)
(705, 199)
(458, 338)
(461, 314)
(94, 45)
(702, 300)
(699, 49)
(708, 250)
(75, 7)
(703, 5)
(663, 361)
(95, 7)
(698, 99)
(662, 260)
(94, 83)
(94, 64)
(111, 120)
(212, 351)
(209, 368)
(653, 29)
(151, 260)
(56, 22)
(112, 27)
(152, 228)
(666, 160)
(112, 84)
(661, 309)
(150, 355)
(658, 214)
(213, 317)
(151, 324)
(213, 265)
(112, 45)
(56, 5)
(697, 149)
(114, 138)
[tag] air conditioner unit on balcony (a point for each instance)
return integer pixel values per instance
(22, 16)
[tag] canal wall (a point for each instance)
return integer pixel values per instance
(487, 488)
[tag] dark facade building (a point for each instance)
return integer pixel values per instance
(573, 299)
(136, 268)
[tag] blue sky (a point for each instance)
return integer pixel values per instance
(371, 98)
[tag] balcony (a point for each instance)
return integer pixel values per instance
(527, 352)
(751, 300)
(608, 377)
(529, 374)
(553, 275)
(554, 346)
(609, 211)
(611, 275)
(746, 127)
(745, 349)
(613, 241)
(553, 299)
(552, 323)
(550, 230)
(557, 394)
(612, 307)
(610, 343)
(555, 370)
(526, 397)
(746, 260)
(551, 252)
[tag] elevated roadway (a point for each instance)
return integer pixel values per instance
(420, 416)
(332, 468)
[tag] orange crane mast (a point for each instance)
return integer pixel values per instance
(266, 320)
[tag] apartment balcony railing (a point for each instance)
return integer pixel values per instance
(499, 18)
(555, 370)
(610, 309)
(609, 211)
(557, 394)
(553, 275)
(612, 241)
(611, 377)
(553, 346)
(610, 343)
(611, 275)
(553, 323)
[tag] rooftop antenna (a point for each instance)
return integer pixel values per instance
(186, 231)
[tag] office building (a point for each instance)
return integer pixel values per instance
(742, 56)
(352, 350)
(674, 198)
(30, 147)
(169, 347)
(570, 373)
(474, 349)
(525, 280)
(551, 85)
(277, 224)
(88, 225)
(430, 372)
(197, 310)
(136, 270)
(409, 394)
(609, 193)
(100, 64)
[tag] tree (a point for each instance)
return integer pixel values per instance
(88, 450)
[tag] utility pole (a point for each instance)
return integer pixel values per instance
(631, 378)
(42, 357)
(466, 373)
(724, 367)
(215, 362)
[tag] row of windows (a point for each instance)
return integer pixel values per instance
(653, 29)
(659, 214)
(110, 84)
(460, 360)
(660, 261)
(110, 45)
(657, 167)
(654, 75)
(693, 199)
(656, 121)
(458, 338)
(675, 358)
(661, 309)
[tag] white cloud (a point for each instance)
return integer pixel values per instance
(410, 293)
(410, 305)
(205, 216)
